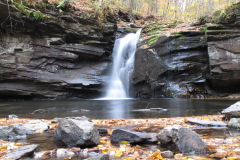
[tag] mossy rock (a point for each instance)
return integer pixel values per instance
(152, 40)
(131, 30)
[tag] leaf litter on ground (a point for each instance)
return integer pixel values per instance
(220, 148)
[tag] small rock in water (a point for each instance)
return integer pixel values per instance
(35, 125)
(155, 108)
(120, 135)
(100, 157)
(167, 154)
(102, 131)
(12, 116)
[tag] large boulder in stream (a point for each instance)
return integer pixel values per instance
(75, 133)
(179, 139)
(15, 131)
(233, 111)
(234, 123)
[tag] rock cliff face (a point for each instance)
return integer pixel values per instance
(202, 61)
(61, 56)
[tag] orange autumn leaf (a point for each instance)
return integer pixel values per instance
(178, 156)
(155, 155)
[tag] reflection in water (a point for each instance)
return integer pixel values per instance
(109, 109)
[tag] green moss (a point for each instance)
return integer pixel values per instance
(182, 37)
(152, 40)
(40, 5)
(133, 30)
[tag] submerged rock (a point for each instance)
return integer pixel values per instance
(120, 135)
(74, 133)
(21, 152)
(179, 139)
(100, 157)
(206, 123)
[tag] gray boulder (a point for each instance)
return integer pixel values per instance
(15, 131)
(75, 133)
(153, 138)
(34, 125)
(120, 135)
(232, 111)
(179, 139)
(21, 152)
(234, 123)
(206, 123)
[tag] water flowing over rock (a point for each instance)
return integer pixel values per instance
(75, 133)
(187, 64)
(179, 139)
(123, 60)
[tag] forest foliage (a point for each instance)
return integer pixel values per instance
(184, 10)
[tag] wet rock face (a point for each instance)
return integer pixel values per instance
(75, 133)
(224, 61)
(182, 140)
(188, 64)
(55, 58)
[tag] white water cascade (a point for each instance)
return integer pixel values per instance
(123, 66)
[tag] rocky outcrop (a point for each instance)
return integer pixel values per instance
(200, 62)
(76, 133)
(60, 56)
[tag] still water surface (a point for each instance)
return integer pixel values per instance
(107, 109)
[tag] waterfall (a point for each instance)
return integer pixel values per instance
(123, 66)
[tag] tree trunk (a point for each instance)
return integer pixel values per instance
(130, 7)
(156, 7)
